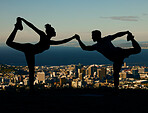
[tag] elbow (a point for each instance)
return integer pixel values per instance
(139, 50)
(8, 43)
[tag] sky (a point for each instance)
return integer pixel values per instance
(70, 17)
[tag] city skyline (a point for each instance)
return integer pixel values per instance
(74, 76)
(75, 17)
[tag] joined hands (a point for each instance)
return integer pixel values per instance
(129, 36)
(77, 37)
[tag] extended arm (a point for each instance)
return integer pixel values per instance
(61, 41)
(31, 26)
(119, 34)
(83, 46)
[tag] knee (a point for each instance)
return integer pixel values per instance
(8, 43)
(138, 50)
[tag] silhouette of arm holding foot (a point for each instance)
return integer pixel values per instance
(119, 34)
(32, 26)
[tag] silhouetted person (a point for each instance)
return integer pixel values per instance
(115, 54)
(30, 50)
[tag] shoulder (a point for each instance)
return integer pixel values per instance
(41, 32)
(51, 42)
(109, 37)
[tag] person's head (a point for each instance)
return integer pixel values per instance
(96, 35)
(50, 31)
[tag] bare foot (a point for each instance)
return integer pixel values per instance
(130, 37)
(19, 24)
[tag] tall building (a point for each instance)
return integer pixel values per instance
(81, 73)
(26, 82)
(76, 83)
(135, 73)
(76, 71)
(141, 70)
(54, 74)
(91, 70)
(41, 77)
(125, 64)
(20, 78)
(62, 81)
(101, 73)
(123, 75)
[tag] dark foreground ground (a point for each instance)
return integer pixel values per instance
(102, 100)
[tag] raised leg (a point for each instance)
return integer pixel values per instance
(18, 26)
(10, 43)
(11, 37)
(137, 48)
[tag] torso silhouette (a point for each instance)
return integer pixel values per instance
(42, 45)
(105, 46)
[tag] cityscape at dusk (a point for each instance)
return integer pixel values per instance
(74, 76)
(74, 56)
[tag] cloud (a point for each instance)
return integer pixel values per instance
(145, 14)
(123, 18)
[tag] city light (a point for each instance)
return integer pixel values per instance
(74, 76)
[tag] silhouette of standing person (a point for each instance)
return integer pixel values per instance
(30, 50)
(115, 54)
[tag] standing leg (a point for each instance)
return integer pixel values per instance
(30, 58)
(116, 67)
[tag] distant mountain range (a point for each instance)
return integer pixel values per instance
(125, 44)
(118, 43)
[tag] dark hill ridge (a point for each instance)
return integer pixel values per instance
(102, 100)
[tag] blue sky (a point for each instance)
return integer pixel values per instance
(71, 17)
